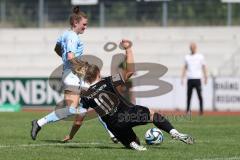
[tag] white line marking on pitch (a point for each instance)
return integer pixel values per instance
(47, 144)
(226, 158)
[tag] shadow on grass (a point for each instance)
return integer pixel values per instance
(52, 141)
(156, 147)
(76, 144)
(79, 145)
(96, 146)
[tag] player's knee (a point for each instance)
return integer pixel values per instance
(71, 99)
(78, 123)
(79, 120)
(156, 116)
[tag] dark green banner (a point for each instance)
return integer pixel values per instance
(29, 91)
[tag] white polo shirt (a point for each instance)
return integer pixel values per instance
(194, 63)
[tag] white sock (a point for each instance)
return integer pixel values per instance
(105, 126)
(110, 133)
(41, 122)
(173, 132)
(57, 115)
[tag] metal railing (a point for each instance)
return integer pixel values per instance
(53, 13)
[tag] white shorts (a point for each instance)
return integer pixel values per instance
(72, 82)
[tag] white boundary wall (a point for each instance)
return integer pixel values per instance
(29, 53)
(176, 99)
(225, 96)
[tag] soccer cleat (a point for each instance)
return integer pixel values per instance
(35, 129)
(183, 137)
(114, 139)
(137, 147)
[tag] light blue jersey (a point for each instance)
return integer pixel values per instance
(70, 42)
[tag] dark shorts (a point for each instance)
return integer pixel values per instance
(125, 120)
(194, 83)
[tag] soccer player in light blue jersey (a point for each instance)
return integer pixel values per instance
(70, 47)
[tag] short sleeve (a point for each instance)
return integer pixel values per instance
(72, 43)
(59, 40)
(87, 103)
(203, 62)
(84, 103)
(185, 60)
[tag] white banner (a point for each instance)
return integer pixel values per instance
(227, 93)
(84, 2)
(225, 97)
(231, 1)
(177, 98)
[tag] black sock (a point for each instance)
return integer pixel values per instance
(162, 123)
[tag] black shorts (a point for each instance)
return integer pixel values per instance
(124, 120)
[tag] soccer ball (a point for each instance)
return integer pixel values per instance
(154, 136)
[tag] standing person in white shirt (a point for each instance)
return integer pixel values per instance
(194, 68)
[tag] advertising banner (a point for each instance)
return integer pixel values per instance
(28, 92)
(227, 93)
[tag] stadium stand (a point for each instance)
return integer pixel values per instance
(29, 52)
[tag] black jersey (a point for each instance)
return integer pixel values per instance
(104, 98)
(114, 109)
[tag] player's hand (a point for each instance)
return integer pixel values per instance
(205, 81)
(126, 44)
(182, 82)
(66, 139)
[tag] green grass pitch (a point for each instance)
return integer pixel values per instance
(217, 137)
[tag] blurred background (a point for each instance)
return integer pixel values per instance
(116, 13)
(161, 32)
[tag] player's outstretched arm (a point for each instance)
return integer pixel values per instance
(184, 70)
(78, 123)
(75, 127)
(130, 69)
(204, 69)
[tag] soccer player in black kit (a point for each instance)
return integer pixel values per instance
(120, 115)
